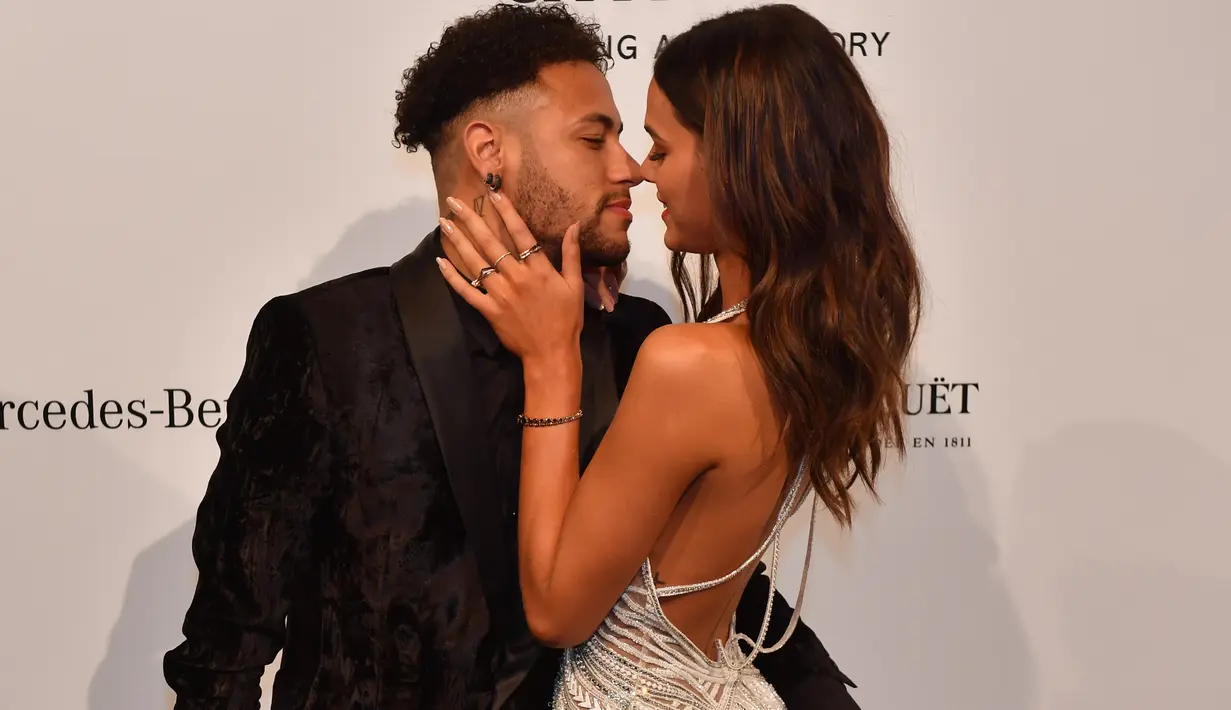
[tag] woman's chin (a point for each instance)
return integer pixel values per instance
(674, 241)
(671, 239)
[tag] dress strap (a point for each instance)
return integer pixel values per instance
(758, 646)
(732, 652)
(784, 514)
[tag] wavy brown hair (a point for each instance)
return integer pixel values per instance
(797, 160)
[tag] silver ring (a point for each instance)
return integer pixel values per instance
(522, 256)
(497, 261)
(487, 271)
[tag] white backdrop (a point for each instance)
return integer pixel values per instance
(165, 168)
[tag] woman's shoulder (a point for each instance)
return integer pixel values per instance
(701, 379)
(688, 354)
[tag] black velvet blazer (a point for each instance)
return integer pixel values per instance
(348, 523)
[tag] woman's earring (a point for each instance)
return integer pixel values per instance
(493, 181)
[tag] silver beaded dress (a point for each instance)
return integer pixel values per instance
(638, 660)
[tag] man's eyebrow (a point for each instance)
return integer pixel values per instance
(607, 121)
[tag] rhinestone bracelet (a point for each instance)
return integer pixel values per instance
(523, 420)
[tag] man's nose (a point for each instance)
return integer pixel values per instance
(628, 172)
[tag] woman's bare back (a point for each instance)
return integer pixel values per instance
(729, 510)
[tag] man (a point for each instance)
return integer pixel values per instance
(362, 515)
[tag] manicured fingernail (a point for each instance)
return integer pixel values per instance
(446, 225)
(454, 204)
(441, 263)
(496, 197)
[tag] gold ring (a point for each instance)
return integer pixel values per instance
(522, 256)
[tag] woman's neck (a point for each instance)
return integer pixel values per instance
(734, 278)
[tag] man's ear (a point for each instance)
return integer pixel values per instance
(483, 144)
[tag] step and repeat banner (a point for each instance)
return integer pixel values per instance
(1056, 537)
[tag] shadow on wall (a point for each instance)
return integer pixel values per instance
(376, 239)
(87, 508)
(159, 590)
(911, 604)
(1122, 526)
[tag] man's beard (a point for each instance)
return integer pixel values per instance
(548, 210)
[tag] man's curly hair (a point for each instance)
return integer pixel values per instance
(484, 56)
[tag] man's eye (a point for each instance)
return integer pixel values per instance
(594, 141)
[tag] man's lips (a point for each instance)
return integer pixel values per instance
(621, 207)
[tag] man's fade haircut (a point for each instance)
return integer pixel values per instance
(485, 57)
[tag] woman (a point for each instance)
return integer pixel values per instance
(771, 159)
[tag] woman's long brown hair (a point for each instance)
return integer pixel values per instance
(797, 159)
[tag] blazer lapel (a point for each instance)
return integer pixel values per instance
(437, 347)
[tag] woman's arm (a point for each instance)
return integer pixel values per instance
(582, 539)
